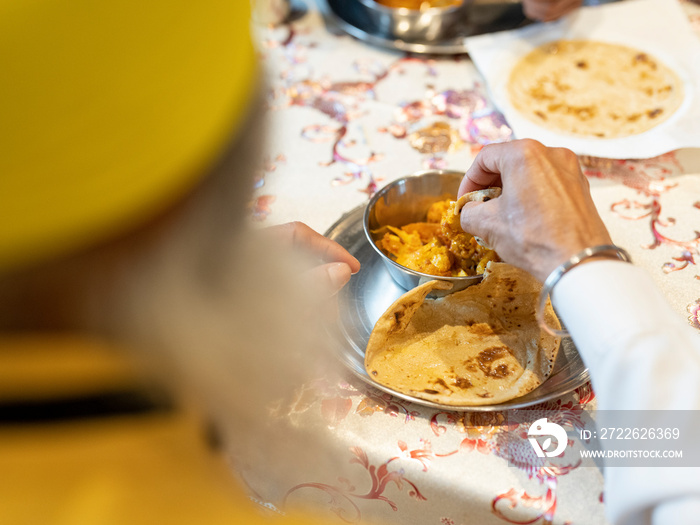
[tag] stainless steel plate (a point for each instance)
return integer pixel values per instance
(369, 293)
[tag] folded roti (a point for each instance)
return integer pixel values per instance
(594, 89)
(479, 346)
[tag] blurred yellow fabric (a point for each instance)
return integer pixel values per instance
(147, 468)
(110, 112)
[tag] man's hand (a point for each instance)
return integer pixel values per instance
(545, 213)
(548, 10)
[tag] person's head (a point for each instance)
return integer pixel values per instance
(130, 135)
(116, 116)
(113, 114)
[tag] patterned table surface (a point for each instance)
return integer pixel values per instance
(347, 118)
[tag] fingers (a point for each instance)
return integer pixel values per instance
(485, 170)
(476, 179)
(329, 278)
(481, 174)
(511, 160)
(476, 218)
(493, 160)
(548, 10)
(339, 265)
(303, 237)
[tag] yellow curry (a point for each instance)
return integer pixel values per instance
(438, 246)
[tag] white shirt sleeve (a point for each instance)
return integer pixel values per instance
(641, 356)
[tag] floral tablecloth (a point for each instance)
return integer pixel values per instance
(347, 118)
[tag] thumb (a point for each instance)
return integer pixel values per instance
(476, 219)
(328, 278)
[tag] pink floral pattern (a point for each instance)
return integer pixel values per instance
(441, 121)
(487, 433)
(377, 401)
(466, 112)
(444, 117)
(651, 178)
(694, 311)
(380, 477)
(260, 206)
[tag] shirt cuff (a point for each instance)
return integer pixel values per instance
(603, 303)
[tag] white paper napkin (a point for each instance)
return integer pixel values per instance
(658, 27)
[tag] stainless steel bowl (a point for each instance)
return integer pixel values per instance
(404, 201)
(408, 25)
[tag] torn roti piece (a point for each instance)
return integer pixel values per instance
(477, 196)
(478, 346)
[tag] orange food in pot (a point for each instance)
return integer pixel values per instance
(438, 246)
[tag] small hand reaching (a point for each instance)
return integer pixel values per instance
(337, 264)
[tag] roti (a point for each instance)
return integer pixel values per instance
(478, 346)
(594, 89)
(477, 196)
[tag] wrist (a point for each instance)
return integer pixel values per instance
(604, 251)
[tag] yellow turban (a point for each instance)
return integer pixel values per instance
(110, 111)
